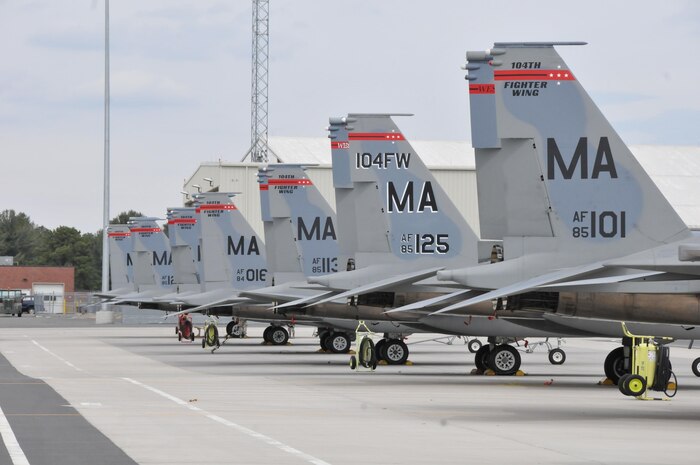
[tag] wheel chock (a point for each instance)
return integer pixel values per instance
(322, 351)
(671, 386)
(382, 362)
(489, 372)
(476, 372)
(520, 373)
(352, 352)
(408, 363)
(606, 382)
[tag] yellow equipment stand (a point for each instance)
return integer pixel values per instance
(366, 359)
(644, 359)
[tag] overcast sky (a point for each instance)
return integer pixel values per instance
(181, 82)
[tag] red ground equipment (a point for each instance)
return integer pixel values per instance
(184, 328)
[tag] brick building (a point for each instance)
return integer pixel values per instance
(51, 283)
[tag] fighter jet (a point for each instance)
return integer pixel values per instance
(151, 265)
(585, 231)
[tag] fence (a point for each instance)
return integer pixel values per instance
(67, 303)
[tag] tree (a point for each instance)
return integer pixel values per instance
(19, 237)
(123, 217)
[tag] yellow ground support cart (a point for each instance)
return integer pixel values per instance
(650, 368)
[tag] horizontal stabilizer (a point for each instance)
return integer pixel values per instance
(201, 308)
(394, 281)
(429, 302)
(304, 301)
(604, 280)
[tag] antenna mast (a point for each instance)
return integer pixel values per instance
(258, 107)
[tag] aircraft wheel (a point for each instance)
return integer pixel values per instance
(481, 358)
(557, 356)
(322, 335)
(504, 360)
(179, 336)
(177, 330)
(19, 314)
(621, 383)
(695, 366)
(380, 349)
(615, 364)
(395, 352)
(339, 343)
(635, 385)
(353, 362)
(192, 336)
(367, 356)
(278, 336)
(474, 346)
(234, 329)
(266, 334)
(204, 343)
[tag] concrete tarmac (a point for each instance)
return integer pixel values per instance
(164, 402)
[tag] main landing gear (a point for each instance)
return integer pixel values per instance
(276, 335)
(392, 350)
(503, 359)
(337, 342)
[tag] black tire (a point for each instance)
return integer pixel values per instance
(395, 352)
(177, 330)
(19, 314)
(504, 360)
(192, 336)
(481, 358)
(322, 336)
(557, 357)
(229, 328)
(379, 349)
(339, 343)
(266, 334)
(367, 356)
(353, 362)
(204, 343)
(614, 365)
(278, 336)
(695, 366)
(635, 385)
(179, 336)
(474, 346)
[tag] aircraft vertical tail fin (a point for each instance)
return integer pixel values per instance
(120, 249)
(391, 203)
(151, 256)
(183, 232)
(306, 218)
(551, 170)
(232, 253)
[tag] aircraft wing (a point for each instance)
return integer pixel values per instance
(201, 308)
(394, 281)
(525, 286)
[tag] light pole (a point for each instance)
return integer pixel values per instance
(105, 207)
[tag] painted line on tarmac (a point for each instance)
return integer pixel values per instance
(254, 434)
(56, 356)
(8, 437)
